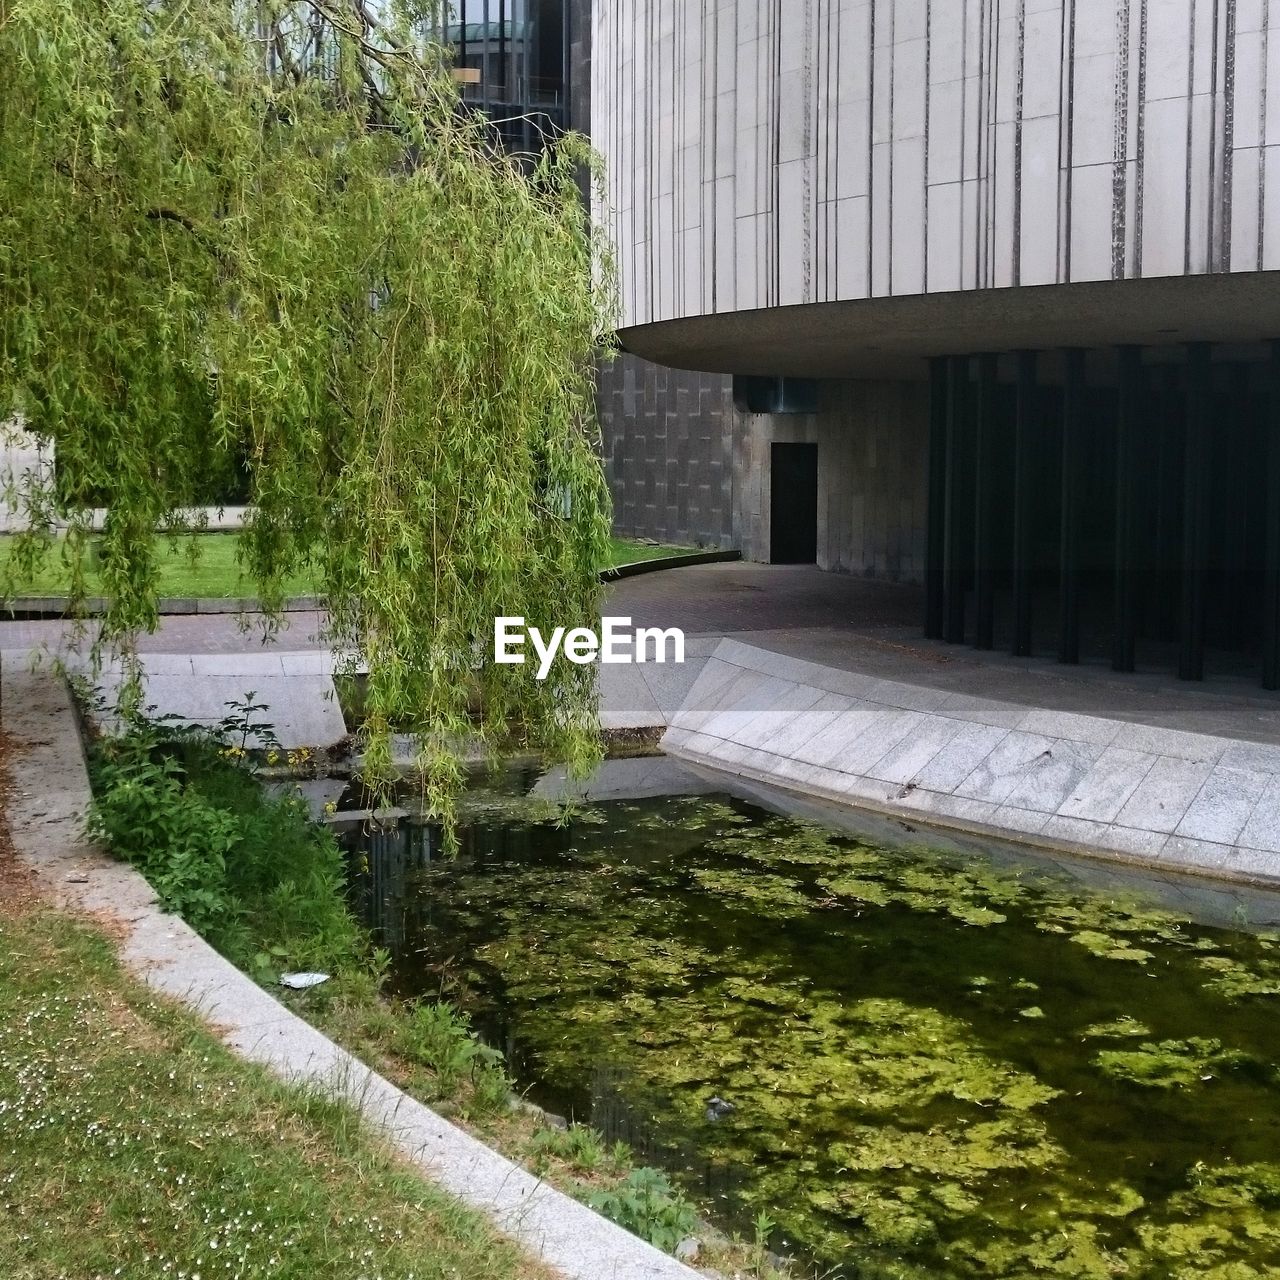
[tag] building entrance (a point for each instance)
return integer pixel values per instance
(793, 505)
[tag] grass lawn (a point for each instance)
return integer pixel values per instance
(133, 1144)
(625, 551)
(217, 574)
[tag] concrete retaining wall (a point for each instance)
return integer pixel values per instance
(1084, 784)
(668, 452)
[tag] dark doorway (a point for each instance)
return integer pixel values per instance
(793, 506)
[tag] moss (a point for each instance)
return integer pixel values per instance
(1117, 1029)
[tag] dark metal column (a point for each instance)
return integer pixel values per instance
(1195, 531)
(1128, 428)
(1271, 587)
(1073, 425)
(1024, 504)
(935, 591)
(958, 551)
(987, 455)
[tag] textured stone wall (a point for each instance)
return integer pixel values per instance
(668, 452)
(685, 467)
(667, 434)
(872, 440)
(764, 154)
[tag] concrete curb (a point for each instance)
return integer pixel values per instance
(660, 563)
(50, 797)
(36, 608)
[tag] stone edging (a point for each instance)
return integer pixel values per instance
(659, 563)
(1085, 785)
(35, 608)
(49, 797)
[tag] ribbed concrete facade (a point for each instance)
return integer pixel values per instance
(765, 153)
(1021, 260)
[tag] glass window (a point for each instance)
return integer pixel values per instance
(517, 52)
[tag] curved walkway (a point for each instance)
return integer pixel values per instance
(1135, 766)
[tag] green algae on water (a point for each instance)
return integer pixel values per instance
(937, 1067)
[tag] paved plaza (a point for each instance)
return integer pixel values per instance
(822, 685)
(837, 621)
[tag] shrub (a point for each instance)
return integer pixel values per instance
(146, 814)
(240, 865)
(647, 1205)
(440, 1038)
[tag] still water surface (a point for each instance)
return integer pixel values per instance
(920, 1063)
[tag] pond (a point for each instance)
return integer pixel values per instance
(920, 1062)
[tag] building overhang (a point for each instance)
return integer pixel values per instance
(895, 337)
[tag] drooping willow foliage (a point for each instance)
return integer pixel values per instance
(268, 237)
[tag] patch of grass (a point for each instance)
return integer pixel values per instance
(628, 551)
(134, 1144)
(205, 567)
(580, 1147)
(440, 1038)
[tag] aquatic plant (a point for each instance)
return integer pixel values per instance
(914, 1065)
(646, 1204)
(1173, 1063)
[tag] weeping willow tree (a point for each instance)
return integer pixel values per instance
(268, 235)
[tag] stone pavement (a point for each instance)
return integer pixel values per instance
(857, 625)
(847, 623)
(192, 633)
(1185, 773)
(196, 665)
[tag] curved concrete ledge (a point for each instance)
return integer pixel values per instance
(1082, 784)
(659, 563)
(50, 797)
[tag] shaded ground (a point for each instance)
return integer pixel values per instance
(875, 627)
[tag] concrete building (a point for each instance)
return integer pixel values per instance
(981, 294)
